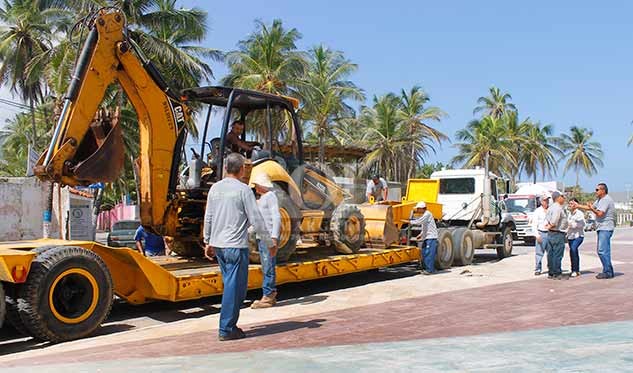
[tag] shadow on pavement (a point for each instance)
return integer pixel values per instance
(304, 301)
(282, 327)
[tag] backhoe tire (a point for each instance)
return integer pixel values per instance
(188, 249)
(445, 252)
(290, 229)
(506, 240)
(67, 294)
(3, 306)
(463, 246)
(348, 229)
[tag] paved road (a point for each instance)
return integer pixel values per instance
(469, 318)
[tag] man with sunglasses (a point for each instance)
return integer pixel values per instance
(604, 209)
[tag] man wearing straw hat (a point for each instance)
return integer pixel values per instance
(269, 208)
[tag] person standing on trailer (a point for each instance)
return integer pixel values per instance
(427, 239)
(231, 209)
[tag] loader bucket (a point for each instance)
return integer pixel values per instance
(380, 230)
(105, 163)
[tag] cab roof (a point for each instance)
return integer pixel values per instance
(244, 99)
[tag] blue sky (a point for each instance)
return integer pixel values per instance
(564, 62)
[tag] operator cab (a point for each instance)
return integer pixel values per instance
(258, 125)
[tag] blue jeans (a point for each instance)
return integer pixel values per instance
(604, 251)
(555, 251)
(540, 248)
(234, 266)
(269, 264)
(573, 253)
(429, 250)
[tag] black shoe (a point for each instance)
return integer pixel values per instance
(604, 276)
(558, 277)
(537, 273)
(237, 333)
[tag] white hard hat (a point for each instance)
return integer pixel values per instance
(420, 205)
(261, 179)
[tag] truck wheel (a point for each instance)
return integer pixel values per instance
(506, 240)
(3, 306)
(445, 252)
(67, 295)
(348, 229)
(463, 246)
(188, 249)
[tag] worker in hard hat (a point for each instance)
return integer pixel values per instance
(427, 239)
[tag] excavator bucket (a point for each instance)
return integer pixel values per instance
(380, 229)
(101, 156)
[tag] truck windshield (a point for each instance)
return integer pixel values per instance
(520, 204)
(462, 185)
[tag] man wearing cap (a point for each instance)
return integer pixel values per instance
(556, 224)
(269, 208)
(378, 188)
(540, 233)
(604, 209)
(427, 239)
(231, 209)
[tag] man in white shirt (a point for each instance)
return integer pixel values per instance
(540, 233)
(556, 224)
(575, 235)
(427, 239)
(378, 188)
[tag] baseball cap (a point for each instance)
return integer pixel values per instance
(545, 196)
(420, 205)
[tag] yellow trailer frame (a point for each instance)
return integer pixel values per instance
(139, 279)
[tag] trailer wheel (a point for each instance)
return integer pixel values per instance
(463, 246)
(506, 240)
(3, 305)
(67, 295)
(348, 229)
(445, 252)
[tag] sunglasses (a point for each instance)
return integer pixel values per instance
(598, 189)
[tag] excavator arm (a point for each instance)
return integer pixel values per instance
(87, 145)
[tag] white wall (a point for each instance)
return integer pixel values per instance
(22, 202)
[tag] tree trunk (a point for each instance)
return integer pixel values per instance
(34, 140)
(321, 144)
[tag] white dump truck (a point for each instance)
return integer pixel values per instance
(473, 215)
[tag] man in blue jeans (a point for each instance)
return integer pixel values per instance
(231, 209)
(427, 237)
(604, 209)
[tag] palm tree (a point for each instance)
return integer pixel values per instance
(496, 104)
(324, 91)
(539, 151)
(27, 29)
(268, 60)
(389, 142)
(486, 136)
(581, 153)
(415, 117)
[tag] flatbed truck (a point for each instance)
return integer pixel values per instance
(58, 290)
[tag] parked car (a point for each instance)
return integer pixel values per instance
(122, 233)
(590, 225)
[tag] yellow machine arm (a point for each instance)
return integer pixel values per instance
(87, 146)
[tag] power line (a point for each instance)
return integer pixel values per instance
(14, 104)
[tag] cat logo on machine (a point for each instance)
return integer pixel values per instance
(179, 115)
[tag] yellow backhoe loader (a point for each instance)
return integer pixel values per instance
(88, 148)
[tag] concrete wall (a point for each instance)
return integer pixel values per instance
(22, 202)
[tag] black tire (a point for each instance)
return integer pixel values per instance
(67, 295)
(3, 305)
(445, 252)
(188, 249)
(289, 232)
(463, 246)
(506, 240)
(348, 229)
(12, 316)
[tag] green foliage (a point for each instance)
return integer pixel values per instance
(582, 154)
(427, 169)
